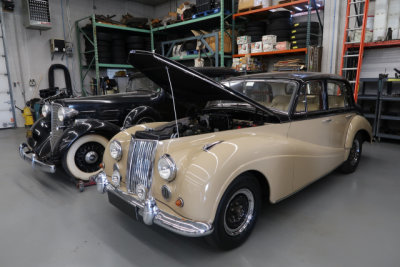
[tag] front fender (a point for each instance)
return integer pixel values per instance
(136, 114)
(39, 141)
(83, 127)
(203, 176)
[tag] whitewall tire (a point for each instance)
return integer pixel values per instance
(82, 159)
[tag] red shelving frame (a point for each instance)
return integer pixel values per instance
(277, 52)
(260, 10)
(377, 44)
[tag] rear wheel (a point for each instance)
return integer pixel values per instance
(350, 165)
(237, 212)
(83, 158)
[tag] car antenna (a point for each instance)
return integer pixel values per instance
(173, 100)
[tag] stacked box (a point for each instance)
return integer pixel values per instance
(282, 45)
(268, 47)
(269, 39)
(244, 48)
(243, 39)
(256, 47)
(247, 63)
(269, 42)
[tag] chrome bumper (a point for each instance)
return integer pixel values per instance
(152, 214)
(36, 164)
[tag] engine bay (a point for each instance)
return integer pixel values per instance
(207, 122)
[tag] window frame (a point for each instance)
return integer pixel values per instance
(310, 114)
(348, 93)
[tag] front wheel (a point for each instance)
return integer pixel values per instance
(350, 165)
(237, 212)
(83, 158)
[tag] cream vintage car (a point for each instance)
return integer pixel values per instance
(245, 140)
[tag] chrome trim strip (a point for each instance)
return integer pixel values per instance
(36, 164)
(152, 214)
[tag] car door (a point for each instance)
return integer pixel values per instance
(339, 103)
(311, 133)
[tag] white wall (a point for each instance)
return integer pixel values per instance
(29, 50)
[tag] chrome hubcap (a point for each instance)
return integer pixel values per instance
(91, 157)
(355, 152)
(239, 212)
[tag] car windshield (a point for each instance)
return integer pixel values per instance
(273, 94)
(142, 85)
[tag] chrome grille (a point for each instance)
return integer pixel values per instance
(56, 129)
(140, 163)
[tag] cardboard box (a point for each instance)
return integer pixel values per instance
(282, 45)
(268, 47)
(227, 41)
(256, 47)
(244, 48)
(245, 4)
(243, 39)
(269, 39)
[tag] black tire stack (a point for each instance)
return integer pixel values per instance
(134, 42)
(255, 29)
(118, 49)
(280, 24)
(298, 36)
(104, 41)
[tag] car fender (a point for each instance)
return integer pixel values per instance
(84, 127)
(139, 112)
(203, 176)
(358, 123)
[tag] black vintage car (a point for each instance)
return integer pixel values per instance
(74, 131)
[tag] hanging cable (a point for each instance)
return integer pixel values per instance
(319, 18)
(173, 101)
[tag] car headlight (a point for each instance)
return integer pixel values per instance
(116, 150)
(66, 113)
(167, 167)
(46, 110)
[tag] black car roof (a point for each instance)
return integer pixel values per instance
(302, 76)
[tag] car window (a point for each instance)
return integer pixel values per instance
(338, 97)
(274, 94)
(142, 85)
(310, 97)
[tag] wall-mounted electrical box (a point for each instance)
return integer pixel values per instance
(57, 46)
(37, 14)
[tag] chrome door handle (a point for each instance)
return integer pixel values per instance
(327, 120)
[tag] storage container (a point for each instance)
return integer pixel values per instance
(394, 18)
(380, 21)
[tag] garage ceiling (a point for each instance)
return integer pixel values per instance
(151, 2)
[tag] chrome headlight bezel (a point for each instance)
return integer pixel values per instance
(116, 150)
(46, 110)
(66, 113)
(167, 168)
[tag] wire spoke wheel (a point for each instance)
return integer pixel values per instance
(239, 212)
(355, 152)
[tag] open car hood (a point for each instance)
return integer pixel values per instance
(187, 84)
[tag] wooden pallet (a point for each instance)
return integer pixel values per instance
(250, 8)
(206, 13)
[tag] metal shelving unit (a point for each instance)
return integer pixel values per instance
(95, 64)
(297, 7)
(217, 19)
(378, 102)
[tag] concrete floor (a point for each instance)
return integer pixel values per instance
(341, 220)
